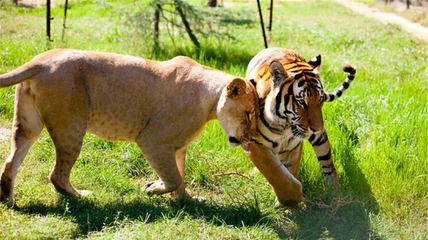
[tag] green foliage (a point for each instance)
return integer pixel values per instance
(204, 22)
(378, 131)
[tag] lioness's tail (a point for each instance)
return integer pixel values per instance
(20, 74)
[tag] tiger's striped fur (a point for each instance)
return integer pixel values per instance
(291, 97)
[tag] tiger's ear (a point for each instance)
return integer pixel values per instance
(278, 72)
(236, 88)
(316, 62)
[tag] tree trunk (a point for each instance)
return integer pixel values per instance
(212, 3)
(186, 23)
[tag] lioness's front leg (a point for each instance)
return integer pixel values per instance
(163, 161)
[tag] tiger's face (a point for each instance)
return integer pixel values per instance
(296, 98)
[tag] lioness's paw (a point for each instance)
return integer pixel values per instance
(156, 187)
(8, 201)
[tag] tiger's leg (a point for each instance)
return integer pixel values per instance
(27, 126)
(291, 159)
(288, 189)
(321, 146)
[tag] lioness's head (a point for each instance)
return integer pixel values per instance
(237, 110)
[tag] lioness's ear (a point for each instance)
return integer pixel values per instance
(316, 62)
(252, 81)
(278, 72)
(236, 87)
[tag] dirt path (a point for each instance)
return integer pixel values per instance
(35, 3)
(4, 134)
(415, 29)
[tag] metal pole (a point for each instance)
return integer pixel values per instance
(270, 15)
(261, 22)
(48, 19)
(65, 19)
(156, 27)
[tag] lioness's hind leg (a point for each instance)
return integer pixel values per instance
(26, 128)
(68, 142)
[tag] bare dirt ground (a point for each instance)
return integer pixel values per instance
(34, 3)
(415, 29)
(4, 134)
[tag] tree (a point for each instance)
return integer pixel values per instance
(212, 3)
(175, 17)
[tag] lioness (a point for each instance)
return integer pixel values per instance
(162, 106)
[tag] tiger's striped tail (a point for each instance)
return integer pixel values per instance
(329, 97)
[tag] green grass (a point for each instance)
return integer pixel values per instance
(378, 131)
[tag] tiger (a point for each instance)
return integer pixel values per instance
(291, 95)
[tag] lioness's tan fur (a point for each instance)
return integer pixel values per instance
(162, 106)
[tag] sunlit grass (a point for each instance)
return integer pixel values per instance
(378, 131)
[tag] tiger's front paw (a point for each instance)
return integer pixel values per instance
(289, 203)
(333, 182)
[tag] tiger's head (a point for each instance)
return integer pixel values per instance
(297, 96)
(290, 89)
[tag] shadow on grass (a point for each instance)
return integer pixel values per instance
(90, 217)
(350, 221)
(324, 218)
(344, 215)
